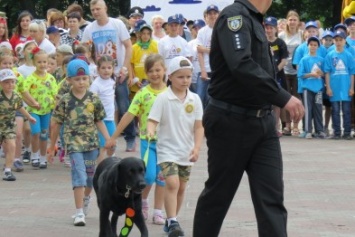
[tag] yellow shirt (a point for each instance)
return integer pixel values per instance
(138, 57)
(43, 90)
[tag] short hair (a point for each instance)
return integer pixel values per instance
(94, 2)
(75, 8)
(52, 56)
(157, 17)
(38, 25)
(56, 16)
(74, 15)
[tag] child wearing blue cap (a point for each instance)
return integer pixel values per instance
(310, 71)
(339, 76)
(81, 113)
(280, 52)
(173, 45)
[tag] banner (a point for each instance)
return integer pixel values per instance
(190, 9)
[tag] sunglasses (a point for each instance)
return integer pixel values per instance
(38, 21)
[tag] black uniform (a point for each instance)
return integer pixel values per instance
(239, 125)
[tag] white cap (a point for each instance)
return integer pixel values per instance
(7, 74)
(6, 44)
(64, 48)
(177, 63)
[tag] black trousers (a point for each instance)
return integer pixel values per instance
(238, 143)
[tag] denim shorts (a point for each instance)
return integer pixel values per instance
(83, 167)
(111, 128)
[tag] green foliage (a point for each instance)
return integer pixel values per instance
(327, 11)
(39, 8)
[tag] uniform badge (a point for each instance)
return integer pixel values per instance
(90, 107)
(235, 23)
(189, 108)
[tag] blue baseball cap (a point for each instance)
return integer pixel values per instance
(212, 8)
(341, 26)
(349, 20)
(53, 29)
(271, 21)
(181, 17)
(138, 24)
(199, 23)
(174, 19)
(77, 67)
(327, 33)
(313, 38)
(339, 33)
(311, 24)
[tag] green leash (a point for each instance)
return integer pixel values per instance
(146, 154)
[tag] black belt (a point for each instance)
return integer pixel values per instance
(258, 113)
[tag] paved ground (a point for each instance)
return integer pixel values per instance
(319, 195)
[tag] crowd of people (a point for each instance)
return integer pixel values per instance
(73, 80)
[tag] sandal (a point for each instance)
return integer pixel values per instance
(296, 132)
(286, 131)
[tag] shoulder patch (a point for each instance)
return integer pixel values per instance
(235, 23)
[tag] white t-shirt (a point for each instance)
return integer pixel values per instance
(193, 49)
(171, 47)
(204, 36)
(291, 42)
(47, 46)
(93, 71)
(105, 89)
(108, 40)
(176, 126)
(26, 70)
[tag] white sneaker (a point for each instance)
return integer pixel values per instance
(79, 220)
(67, 161)
(86, 205)
(309, 136)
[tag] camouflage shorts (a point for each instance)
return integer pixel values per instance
(170, 168)
(7, 134)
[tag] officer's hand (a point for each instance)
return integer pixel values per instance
(295, 108)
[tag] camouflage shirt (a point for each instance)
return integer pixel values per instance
(78, 117)
(64, 87)
(8, 107)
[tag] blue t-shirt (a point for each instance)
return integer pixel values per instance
(340, 66)
(307, 65)
(303, 50)
(348, 47)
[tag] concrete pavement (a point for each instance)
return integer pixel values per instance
(319, 180)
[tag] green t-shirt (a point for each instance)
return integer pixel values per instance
(141, 105)
(43, 90)
(8, 107)
(79, 117)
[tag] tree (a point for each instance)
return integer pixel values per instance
(327, 11)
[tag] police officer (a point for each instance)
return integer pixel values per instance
(239, 125)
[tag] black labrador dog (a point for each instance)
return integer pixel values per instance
(118, 184)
